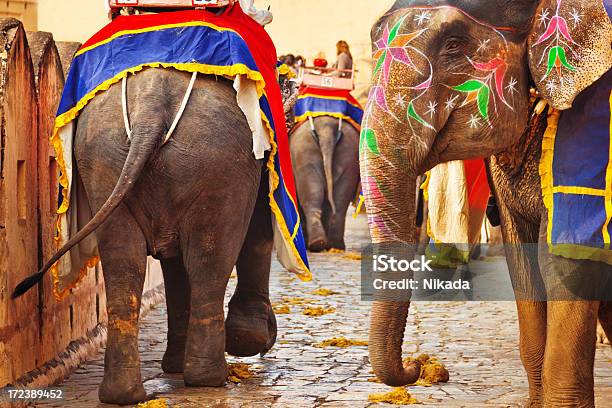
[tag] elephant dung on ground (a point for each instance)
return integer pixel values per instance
(451, 82)
(326, 167)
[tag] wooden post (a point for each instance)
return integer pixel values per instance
(55, 319)
(19, 319)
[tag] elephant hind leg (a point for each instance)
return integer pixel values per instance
(211, 243)
(605, 320)
(251, 324)
(176, 283)
(124, 265)
(209, 259)
(314, 211)
(209, 264)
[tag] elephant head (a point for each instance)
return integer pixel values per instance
(451, 81)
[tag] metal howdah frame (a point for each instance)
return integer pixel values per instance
(168, 4)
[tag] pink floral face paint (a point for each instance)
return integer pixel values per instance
(414, 94)
(486, 84)
(557, 43)
(569, 48)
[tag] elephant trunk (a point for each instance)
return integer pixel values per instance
(388, 322)
(390, 191)
(327, 143)
(390, 310)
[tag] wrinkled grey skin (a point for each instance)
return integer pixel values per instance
(192, 203)
(559, 368)
(326, 172)
(557, 338)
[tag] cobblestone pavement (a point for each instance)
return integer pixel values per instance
(477, 341)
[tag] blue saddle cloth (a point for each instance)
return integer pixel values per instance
(577, 176)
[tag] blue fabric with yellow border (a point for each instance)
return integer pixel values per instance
(313, 102)
(577, 176)
(178, 46)
(190, 41)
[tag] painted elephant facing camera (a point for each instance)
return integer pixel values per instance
(326, 166)
(451, 82)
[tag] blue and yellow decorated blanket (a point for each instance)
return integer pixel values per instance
(576, 172)
(229, 45)
(315, 102)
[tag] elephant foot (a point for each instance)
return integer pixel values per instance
(203, 374)
(317, 245)
(317, 237)
(601, 335)
(124, 389)
(533, 403)
(248, 334)
(339, 245)
(173, 362)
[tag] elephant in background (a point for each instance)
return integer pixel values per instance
(451, 82)
(326, 167)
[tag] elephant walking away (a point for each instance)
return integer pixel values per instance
(326, 166)
(214, 215)
(199, 199)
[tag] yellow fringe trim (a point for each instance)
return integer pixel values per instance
(335, 98)
(606, 233)
(546, 171)
(154, 28)
(305, 276)
(61, 294)
(359, 206)
(425, 186)
(69, 116)
(300, 119)
(572, 251)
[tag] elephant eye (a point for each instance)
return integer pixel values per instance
(453, 44)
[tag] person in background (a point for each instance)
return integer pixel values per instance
(344, 59)
(300, 62)
(289, 60)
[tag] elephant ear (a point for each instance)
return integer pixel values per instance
(569, 48)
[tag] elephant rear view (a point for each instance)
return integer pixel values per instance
(164, 159)
(325, 155)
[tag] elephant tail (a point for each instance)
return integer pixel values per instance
(142, 148)
(327, 143)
